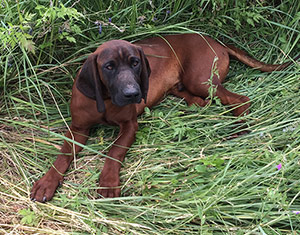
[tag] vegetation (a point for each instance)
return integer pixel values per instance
(183, 175)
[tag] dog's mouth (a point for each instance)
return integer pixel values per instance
(122, 102)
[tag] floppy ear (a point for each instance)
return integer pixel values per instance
(145, 74)
(89, 83)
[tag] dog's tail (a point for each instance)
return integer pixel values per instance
(246, 59)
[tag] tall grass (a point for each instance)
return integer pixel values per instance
(182, 175)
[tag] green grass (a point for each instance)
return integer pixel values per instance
(182, 175)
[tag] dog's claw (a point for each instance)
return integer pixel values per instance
(44, 199)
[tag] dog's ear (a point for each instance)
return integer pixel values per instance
(89, 82)
(145, 74)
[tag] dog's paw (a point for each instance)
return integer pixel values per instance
(109, 185)
(44, 189)
(109, 192)
(197, 101)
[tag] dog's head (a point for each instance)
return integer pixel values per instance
(117, 68)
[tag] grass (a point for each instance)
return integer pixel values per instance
(182, 175)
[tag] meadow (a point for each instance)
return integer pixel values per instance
(184, 174)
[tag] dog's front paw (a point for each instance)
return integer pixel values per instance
(109, 191)
(44, 189)
(109, 185)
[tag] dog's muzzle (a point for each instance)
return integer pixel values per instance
(128, 94)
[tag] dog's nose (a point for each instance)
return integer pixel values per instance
(131, 92)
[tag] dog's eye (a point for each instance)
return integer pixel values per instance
(109, 66)
(135, 63)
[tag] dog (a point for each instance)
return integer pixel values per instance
(120, 79)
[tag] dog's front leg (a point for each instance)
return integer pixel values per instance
(109, 178)
(44, 189)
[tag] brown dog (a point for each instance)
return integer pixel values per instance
(115, 78)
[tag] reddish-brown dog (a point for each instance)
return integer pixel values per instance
(115, 78)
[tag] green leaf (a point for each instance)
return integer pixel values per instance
(28, 45)
(250, 21)
(200, 168)
(76, 29)
(71, 39)
(23, 212)
(218, 162)
(29, 217)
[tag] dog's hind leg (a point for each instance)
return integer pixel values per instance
(239, 103)
(179, 91)
(200, 87)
